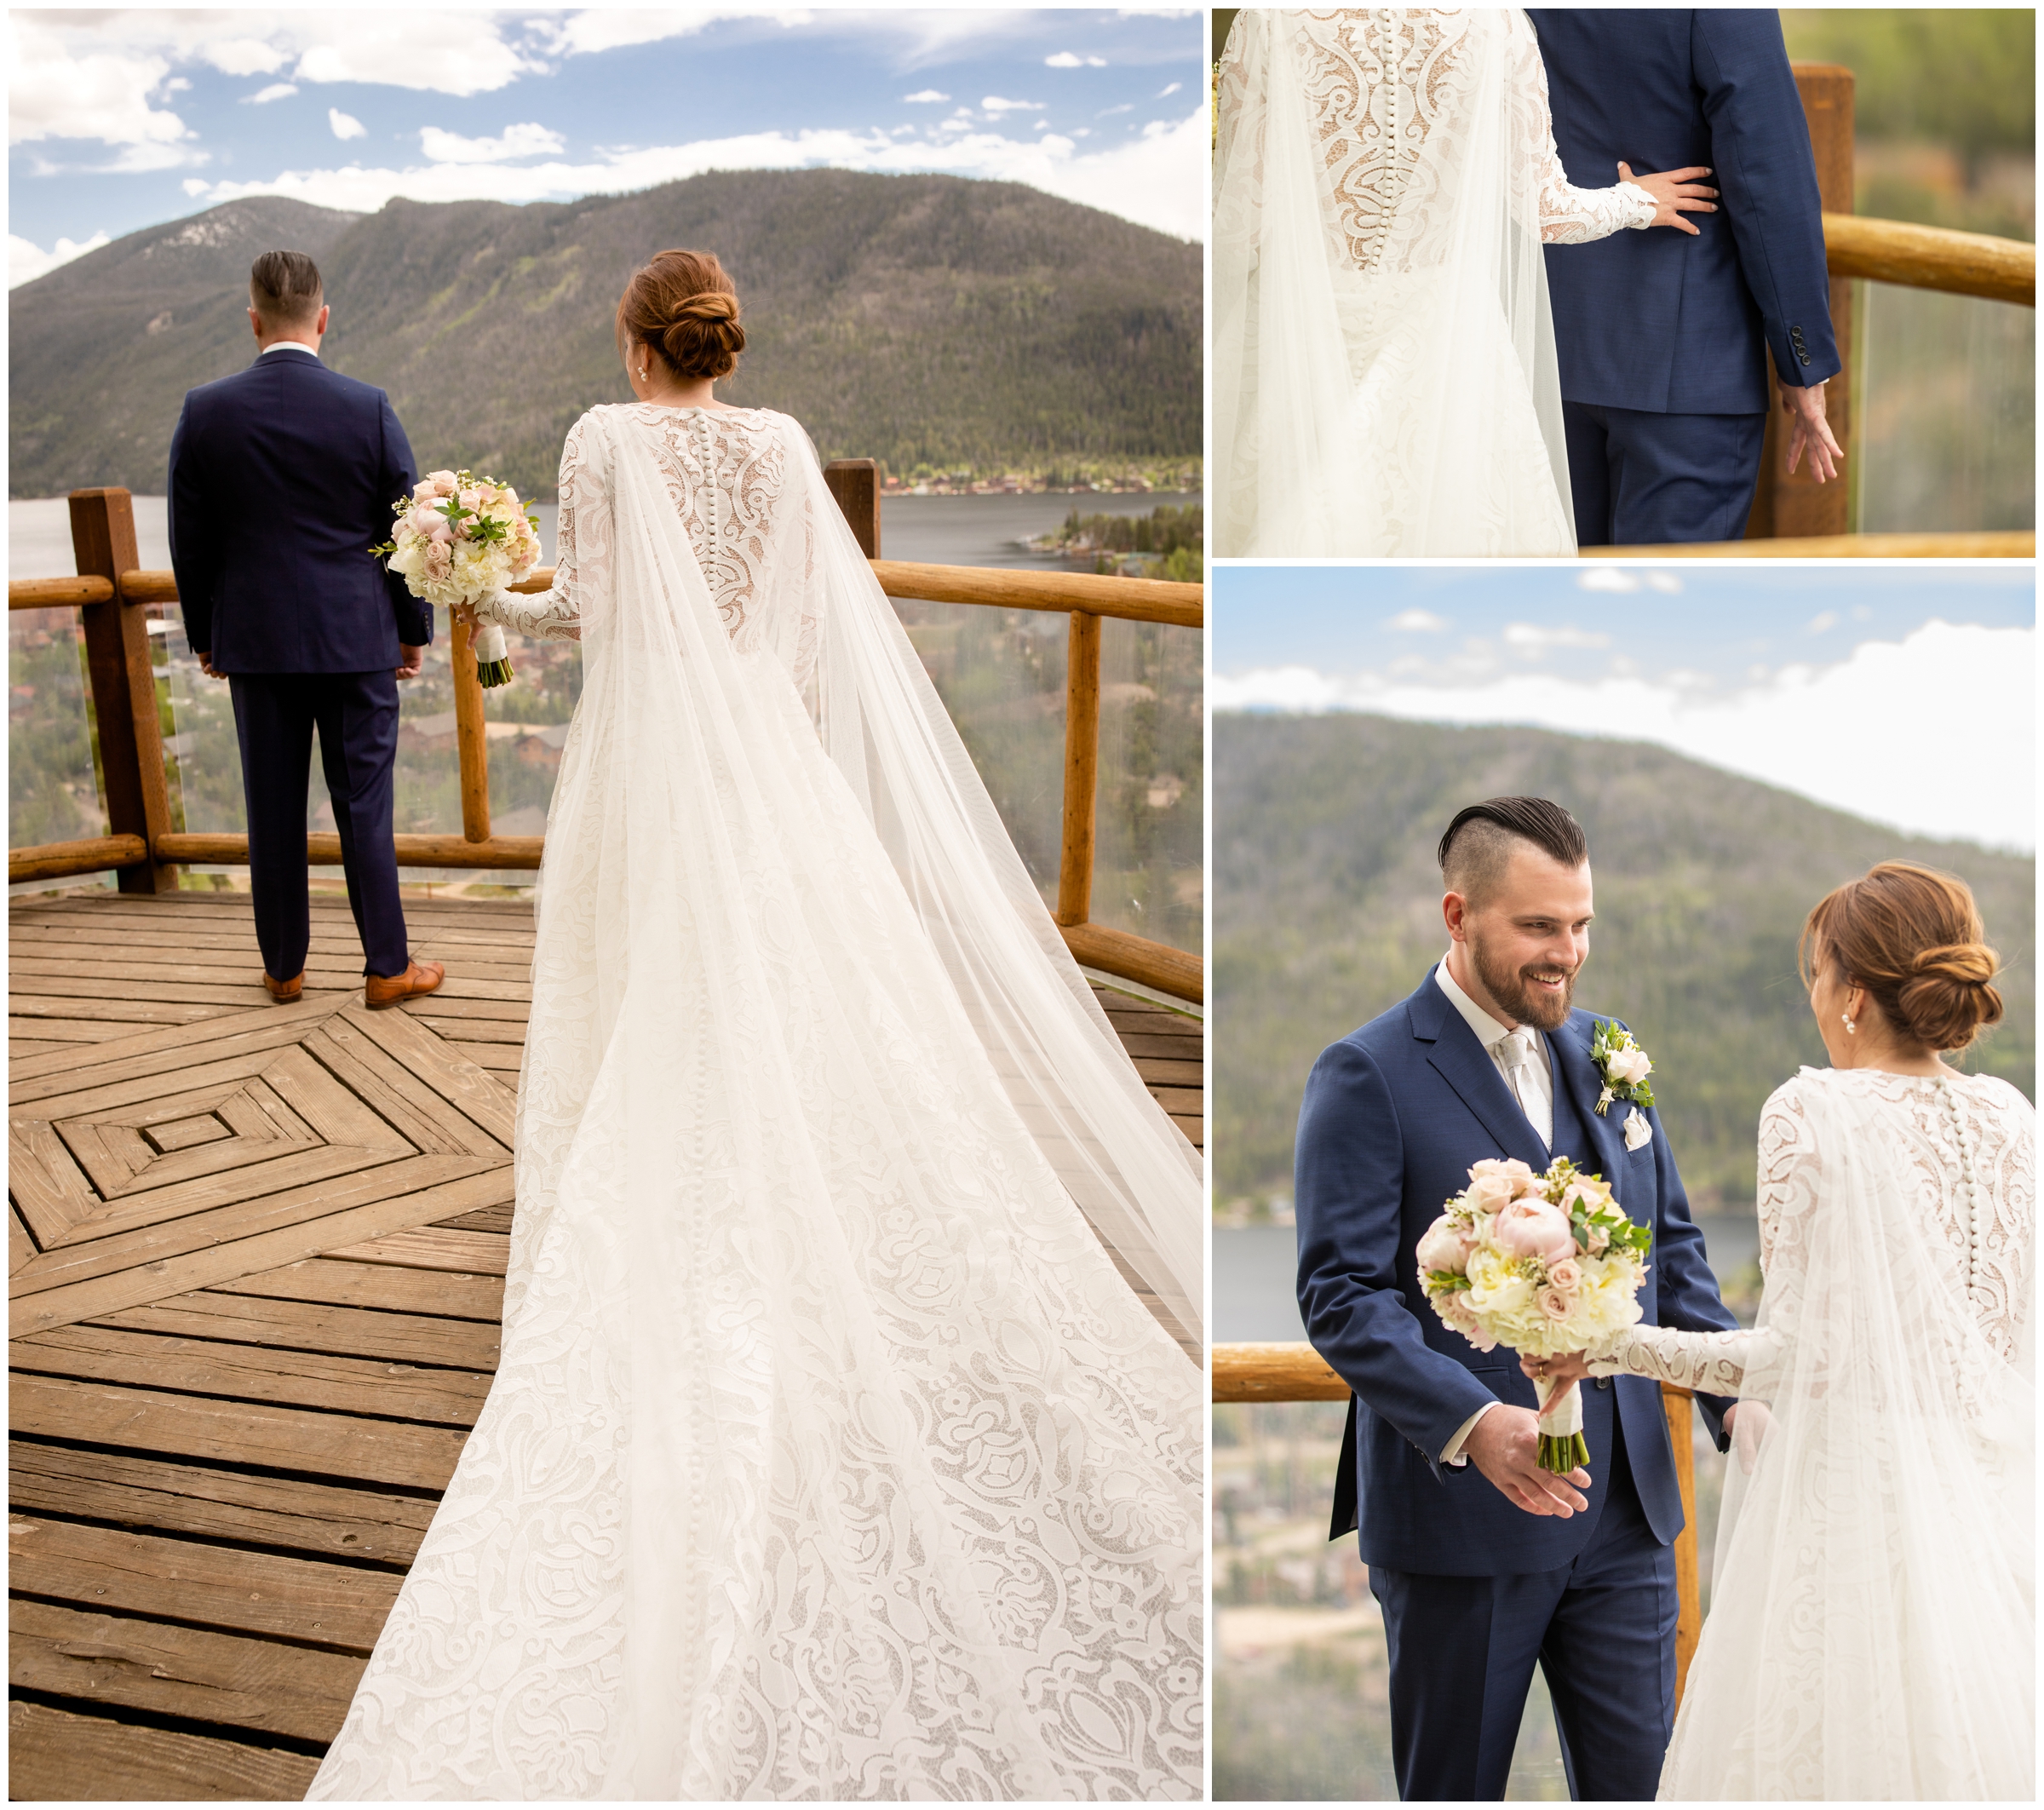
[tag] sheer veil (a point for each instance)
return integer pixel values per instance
(1872, 1629)
(1385, 376)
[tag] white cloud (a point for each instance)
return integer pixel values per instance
(245, 56)
(1417, 622)
(522, 140)
(994, 105)
(26, 260)
(54, 92)
(1165, 94)
(451, 52)
(275, 91)
(1618, 582)
(1664, 582)
(1787, 729)
(1157, 181)
(1823, 621)
(345, 125)
(1066, 59)
(1537, 641)
(589, 29)
(922, 95)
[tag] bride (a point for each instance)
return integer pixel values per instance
(1873, 1621)
(829, 1456)
(1384, 380)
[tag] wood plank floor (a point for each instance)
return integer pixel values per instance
(256, 1260)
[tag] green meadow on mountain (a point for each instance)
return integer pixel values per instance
(931, 322)
(1326, 911)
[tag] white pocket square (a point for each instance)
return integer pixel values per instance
(1637, 1130)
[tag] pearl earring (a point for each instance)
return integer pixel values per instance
(1851, 1029)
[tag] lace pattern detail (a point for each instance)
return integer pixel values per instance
(1389, 94)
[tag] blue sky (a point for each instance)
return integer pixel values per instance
(1904, 693)
(121, 120)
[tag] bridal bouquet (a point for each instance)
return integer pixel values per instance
(458, 538)
(1544, 1264)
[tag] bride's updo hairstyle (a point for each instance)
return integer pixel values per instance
(1911, 937)
(682, 306)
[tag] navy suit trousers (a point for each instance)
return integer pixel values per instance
(1643, 480)
(1603, 1629)
(356, 715)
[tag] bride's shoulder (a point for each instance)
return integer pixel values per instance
(1992, 1091)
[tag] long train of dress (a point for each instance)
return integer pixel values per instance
(828, 1454)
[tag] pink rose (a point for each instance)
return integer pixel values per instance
(1443, 1246)
(1630, 1066)
(441, 533)
(1565, 1272)
(1456, 1313)
(439, 562)
(1532, 1228)
(1489, 1194)
(1600, 1241)
(1556, 1303)
(442, 482)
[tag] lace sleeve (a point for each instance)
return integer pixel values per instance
(1568, 215)
(1716, 1363)
(582, 551)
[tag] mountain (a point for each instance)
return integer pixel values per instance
(1327, 912)
(929, 321)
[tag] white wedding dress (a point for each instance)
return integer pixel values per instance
(828, 1454)
(1385, 379)
(1872, 1631)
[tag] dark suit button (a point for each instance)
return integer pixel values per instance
(1603, 1383)
(1805, 358)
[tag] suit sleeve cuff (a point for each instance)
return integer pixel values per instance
(1452, 1454)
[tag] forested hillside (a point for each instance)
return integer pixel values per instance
(925, 321)
(1326, 911)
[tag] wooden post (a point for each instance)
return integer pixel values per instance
(123, 686)
(1689, 1612)
(856, 484)
(471, 739)
(1789, 504)
(1082, 768)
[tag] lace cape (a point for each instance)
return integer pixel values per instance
(1384, 180)
(829, 1456)
(1872, 1628)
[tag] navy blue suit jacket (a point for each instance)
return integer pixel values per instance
(282, 477)
(1393, 1116)
(1656, 320)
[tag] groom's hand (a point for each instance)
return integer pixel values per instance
(413, 660)
(1504, 1446)
(1805, 408)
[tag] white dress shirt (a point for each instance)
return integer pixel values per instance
(289, 345)
(1535, 1093)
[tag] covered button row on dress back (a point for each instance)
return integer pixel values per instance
(1976, 1231)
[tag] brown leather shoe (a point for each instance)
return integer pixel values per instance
(285, 992)
(381, 991)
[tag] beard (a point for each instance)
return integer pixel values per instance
(1512, 988)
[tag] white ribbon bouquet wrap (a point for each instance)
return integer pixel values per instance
(458, 538)
(1544, 1264)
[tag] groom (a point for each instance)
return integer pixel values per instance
(1482, 1562)
(281, 478)
(1663, 337)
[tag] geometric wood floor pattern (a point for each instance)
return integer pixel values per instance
(256, 1263)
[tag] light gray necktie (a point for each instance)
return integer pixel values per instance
(1515, 1051)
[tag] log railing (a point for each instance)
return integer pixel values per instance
(1259, 1374)
(143, 850)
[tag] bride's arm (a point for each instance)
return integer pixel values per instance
(582, 544)
(1568, 215)
(1716, 1363)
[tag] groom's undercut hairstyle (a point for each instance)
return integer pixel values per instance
(1479, 843)
(285, 288)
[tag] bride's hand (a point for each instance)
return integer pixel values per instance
(464, 613)
(1564, 1372)
(1675, 193)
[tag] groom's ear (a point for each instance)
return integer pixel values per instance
(1454, 912)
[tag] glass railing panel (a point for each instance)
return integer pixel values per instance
(1148, 871)
(53, 788)
(1947, 432)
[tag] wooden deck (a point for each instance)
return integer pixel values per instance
(256, 1258)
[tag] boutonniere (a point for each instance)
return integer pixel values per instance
(1623, 1064)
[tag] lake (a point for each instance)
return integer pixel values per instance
(936, 531)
